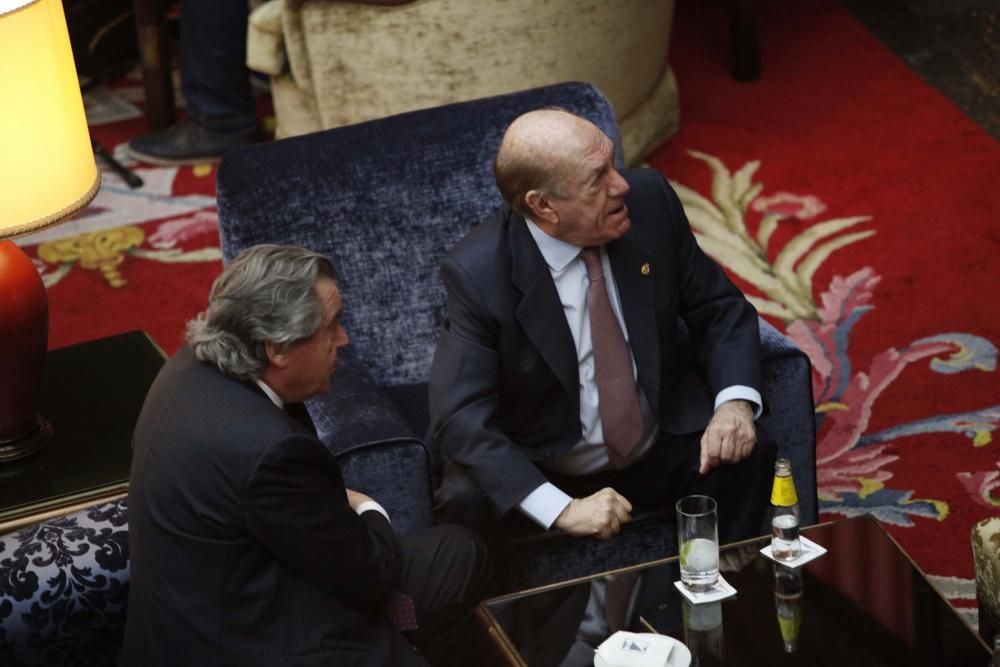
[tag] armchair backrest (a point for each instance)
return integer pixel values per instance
(385, 200)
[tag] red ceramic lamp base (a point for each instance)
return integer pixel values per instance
(24, 332)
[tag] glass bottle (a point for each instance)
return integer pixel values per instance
(785, 544)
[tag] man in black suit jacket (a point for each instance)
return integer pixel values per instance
(513, 389)
(246, 547)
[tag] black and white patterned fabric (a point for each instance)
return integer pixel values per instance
(64, 589)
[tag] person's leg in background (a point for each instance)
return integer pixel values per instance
(216, 85)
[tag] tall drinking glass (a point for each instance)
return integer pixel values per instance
(698, 542)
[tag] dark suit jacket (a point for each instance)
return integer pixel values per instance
(504, 386)
(244, 550)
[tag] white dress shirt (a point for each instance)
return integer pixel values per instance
(590, 455)
(368, 505)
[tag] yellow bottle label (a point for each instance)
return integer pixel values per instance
(783, 492)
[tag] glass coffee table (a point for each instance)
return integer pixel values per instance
(862, 603)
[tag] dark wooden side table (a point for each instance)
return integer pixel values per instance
(91, 394)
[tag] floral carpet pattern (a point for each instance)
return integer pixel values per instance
(735, 224)
(852, 464)
(856, 208)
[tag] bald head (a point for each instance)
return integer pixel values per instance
(538, 151)
(558, 170)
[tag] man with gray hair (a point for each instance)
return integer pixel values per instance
(246, 546)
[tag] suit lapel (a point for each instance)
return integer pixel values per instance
(540, 312)
(635, 289)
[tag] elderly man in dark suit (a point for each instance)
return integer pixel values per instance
(246, 547)
(559, 387)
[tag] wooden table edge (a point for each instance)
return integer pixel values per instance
(43, 511)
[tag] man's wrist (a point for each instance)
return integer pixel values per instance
(743, 393)
(744, 406)
(563, 515)
(545, 504)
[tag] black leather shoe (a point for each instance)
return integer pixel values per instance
(187, 142)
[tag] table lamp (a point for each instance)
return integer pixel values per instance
(47, 173)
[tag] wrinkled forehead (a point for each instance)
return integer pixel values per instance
(587, 150)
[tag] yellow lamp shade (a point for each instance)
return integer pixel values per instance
(47, 173)
(47, 168)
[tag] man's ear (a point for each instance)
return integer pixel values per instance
(274, 357)
(541, 207)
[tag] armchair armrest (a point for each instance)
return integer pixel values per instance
(64, 588)
(986, 555)
(265, 40)
(378, 452)
(790, 418)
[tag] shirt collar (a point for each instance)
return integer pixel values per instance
(270, 394)
(556, 252)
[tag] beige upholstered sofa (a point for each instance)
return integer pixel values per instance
(986, 553)
(336, 63)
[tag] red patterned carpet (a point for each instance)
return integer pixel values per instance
(858, 207)
(854, 203)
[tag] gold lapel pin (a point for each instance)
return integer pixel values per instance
(645, 268)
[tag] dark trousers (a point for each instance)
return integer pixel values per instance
(214, 75)
(446, 571)
(668, 472)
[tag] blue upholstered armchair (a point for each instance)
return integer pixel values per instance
(385, 200)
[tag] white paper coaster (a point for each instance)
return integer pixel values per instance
(810, 550)
(720, 591)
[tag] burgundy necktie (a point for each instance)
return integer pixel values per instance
(618, 400)
(402, 612)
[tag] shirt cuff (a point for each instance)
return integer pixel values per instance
(371, 505)
(744, 393)
(544, 504)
